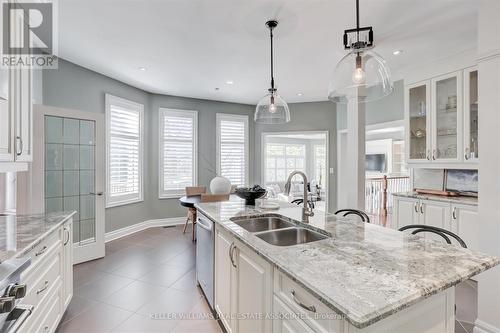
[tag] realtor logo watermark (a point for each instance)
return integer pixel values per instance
(29, 34)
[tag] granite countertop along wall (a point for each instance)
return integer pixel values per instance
(462, 200)
(364, 272)
(20, 234)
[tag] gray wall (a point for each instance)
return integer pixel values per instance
(387, 109)
(318, 116)
(206, 145)
(74, 87)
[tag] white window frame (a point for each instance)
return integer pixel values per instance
(315, 160)
(176, 112)
(285, 157)
(124, 103)
(232, 117)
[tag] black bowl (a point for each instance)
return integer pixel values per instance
(249, 194)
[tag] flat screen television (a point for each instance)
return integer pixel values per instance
(375, 162)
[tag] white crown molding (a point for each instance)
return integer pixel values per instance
(483, 327)
(491, 54)
(122, 232)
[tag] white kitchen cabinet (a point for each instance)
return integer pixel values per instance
(49, 280)
(471, 108)
(441, 121)
(463, 220)
(243, 286)
(16, 115)
(406, 212)
(418, 122)
(465, 223)
(435, 213)
(253, 290)
(223, 277)
(67, 269)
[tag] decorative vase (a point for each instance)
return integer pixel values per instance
(220, 185)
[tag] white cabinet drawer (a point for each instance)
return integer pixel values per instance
(52, 313)
(43, 278)
(41, 251)
(286, 321)
(314, 313)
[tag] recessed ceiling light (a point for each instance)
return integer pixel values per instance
(397, 52)
(143, 69)
(300, 94)
(229, 82)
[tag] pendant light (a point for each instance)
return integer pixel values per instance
(362, 75)
(272, 109)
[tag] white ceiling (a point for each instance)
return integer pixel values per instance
(190, 47)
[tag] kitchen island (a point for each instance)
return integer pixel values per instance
(361, 278)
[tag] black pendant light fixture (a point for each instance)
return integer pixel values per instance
(272, 109)
(362, 75)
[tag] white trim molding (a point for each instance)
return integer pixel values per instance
(126, 231)
(483, 327)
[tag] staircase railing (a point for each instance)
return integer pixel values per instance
(378, 193)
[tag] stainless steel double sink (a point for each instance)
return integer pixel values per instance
(275, 230)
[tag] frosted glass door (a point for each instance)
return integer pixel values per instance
(418, 115)
(447, 117)
(70, 173)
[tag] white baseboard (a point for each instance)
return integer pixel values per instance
(483, 327)
(119, 233)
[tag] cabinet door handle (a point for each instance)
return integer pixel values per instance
(311, 308)
(428, 156)
(421, 208)
(41, 290)
(467, 152)
(415, 206)
(434, 154)
(454, 213)
(42, 251)
(231, 251)
(67, 233)
(19, 151)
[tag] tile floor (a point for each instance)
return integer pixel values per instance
(143, 279)
(151, 274)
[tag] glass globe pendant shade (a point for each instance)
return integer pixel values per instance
(360, 76)
(272, 109)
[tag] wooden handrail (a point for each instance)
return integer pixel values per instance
(383, 189)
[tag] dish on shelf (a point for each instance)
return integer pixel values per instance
(419, 133)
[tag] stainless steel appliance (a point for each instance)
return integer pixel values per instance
(12, 314)
(205, 234)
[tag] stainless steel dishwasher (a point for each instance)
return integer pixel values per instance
(205, 234)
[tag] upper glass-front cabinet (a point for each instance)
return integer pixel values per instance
(418, 122)
(471, 152)
(447, 117)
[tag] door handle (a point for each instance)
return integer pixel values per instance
(96, 193)
(231, 251)
(311, 308)
(67, 233)
(434, 154)
(454, 213)
(204, 224)
(21, 147)
(415, 207)
(466, 153)
(421, 208)
(428, 156)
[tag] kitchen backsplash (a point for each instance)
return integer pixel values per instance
(443, 179)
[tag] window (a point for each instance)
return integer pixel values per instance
(282, 159)
(178, 150)
(124, 151)
(319, 163)
(232, 148)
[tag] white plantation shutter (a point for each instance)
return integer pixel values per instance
(124, 143)
(232, 148)
(178, 136)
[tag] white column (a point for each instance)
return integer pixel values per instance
(489, 162)
(355, 171)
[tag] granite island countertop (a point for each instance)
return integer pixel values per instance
(21, 233)
(364, 272)
(462, 200)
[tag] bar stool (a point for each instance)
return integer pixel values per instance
(364, 217)
(193, 191)
(419, 228)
